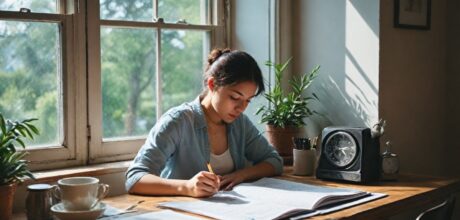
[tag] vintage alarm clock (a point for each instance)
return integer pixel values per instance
(349, 154)
(390, 164)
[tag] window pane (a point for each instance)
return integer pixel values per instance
(193, 11)
(128, 81)
(131, 10)
(38, 6)
(29, 88)
(182, 57)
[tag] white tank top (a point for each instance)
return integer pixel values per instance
(222, 164)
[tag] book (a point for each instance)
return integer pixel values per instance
(270, 198)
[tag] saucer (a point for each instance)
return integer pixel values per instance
(60, 212)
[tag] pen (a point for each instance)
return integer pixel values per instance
(210, 168)
(212, 171)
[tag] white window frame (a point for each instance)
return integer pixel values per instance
(81, 81)
(72, 91)
(126, 148)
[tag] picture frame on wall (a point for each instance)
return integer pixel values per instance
(412, 14)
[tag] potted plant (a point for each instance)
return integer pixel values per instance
(286, 111)
(13, 167)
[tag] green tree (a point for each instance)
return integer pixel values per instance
(128, 58)
(28, 72)
(30, 57)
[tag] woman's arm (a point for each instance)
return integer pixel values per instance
(267, 162)
(201, 185)
(263, 169)
(258, 150)
(143, 176)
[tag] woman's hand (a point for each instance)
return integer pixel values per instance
(227, 182)
(203, 184)
(262, 169)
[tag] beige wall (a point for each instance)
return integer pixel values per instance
(417, 75)
(453, 88)
(413, 90)
(418, 72)
(342, 37)
(252, 31)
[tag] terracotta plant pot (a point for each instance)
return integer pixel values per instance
(6, 201)
(281, 139)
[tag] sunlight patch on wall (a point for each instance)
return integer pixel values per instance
(361, 65)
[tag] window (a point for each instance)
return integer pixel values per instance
(98, 74)
(146, 57)
(36, 60)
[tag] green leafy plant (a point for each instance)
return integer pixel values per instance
(288, 109)
(13, 168)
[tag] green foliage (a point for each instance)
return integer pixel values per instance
(29, 76)
(12, 165)
(32, 84)
(288, 109)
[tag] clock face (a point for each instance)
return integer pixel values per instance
(340, 149)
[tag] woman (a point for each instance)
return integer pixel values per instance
(213, 130)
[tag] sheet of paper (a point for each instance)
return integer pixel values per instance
(224, 206)
(165, 214)
(292, 194)
(267, 198)
(112, 211)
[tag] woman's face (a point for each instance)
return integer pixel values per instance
(230, 101)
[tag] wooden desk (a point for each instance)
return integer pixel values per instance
(408, 193)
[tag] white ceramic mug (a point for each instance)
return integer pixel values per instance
(80, 193)
(304, 162)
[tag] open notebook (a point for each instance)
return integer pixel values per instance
(270, 198)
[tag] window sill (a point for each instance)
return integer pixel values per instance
(89, 170)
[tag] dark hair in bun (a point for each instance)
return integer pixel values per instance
(229, 67)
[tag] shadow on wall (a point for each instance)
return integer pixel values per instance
(341, 110)
(343, 38)
(368, 10)
(351, 100)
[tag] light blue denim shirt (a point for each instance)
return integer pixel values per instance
(177, 147)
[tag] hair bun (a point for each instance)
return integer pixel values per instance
(215, 54)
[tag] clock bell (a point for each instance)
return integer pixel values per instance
(350, 154)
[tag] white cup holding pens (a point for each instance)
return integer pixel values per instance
(304, 155)
(80, 193)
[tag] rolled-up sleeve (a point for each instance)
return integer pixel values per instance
(259, 150)
(158, 147)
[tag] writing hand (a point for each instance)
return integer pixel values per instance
(227, 182)
(203, 184)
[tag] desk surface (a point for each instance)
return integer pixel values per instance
(409, 192)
